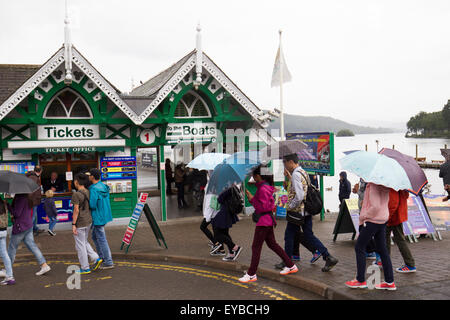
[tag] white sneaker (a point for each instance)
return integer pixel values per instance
(3, 273)
(246, 278)
(43, 270)
(287, 270)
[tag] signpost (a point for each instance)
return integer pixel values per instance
(348, 219)
(141, 206)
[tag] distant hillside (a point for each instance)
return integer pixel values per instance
(296, 123)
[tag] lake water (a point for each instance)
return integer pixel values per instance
(429, 148)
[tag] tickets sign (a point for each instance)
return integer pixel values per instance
(132, 225)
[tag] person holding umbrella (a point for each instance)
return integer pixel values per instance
(22, 230)
(297, 194)
(264, 203)
(382, 171)
(372, 223)
(21, 215)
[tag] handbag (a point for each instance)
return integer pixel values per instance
(296, 218)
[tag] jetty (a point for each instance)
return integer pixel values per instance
(434, 164)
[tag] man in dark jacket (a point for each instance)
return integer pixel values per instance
(444, 173)
(36, 196)
(345, 187)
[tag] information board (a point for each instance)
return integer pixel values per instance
(419, 221)
(113, 168)
(348, 218)
(319, 156)
(141, 206)
(19, 167)
(132, 225)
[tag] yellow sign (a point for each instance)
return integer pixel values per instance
(352, 204)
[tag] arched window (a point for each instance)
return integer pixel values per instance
(192, 106)
(67, 104)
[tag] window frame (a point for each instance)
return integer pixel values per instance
(79, 97)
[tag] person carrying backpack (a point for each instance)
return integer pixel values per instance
(264, 203)
(224, 220)
(297, 207)
(81, 220)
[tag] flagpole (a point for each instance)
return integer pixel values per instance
(281, 93)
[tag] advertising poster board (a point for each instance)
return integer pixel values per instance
(438, 210)
(64, 207)
(348, 218)
(319, 156)
(141, 206)
(418, 219)
(132, 225)
(281, 199)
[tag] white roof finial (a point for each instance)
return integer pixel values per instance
(199, 57)
(67, 48)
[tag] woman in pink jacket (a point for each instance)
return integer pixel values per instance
(372, 223)
(264, 203)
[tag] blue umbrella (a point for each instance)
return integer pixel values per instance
(225, 175)
(207, 161)
(377, 168)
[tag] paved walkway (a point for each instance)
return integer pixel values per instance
(184, 238)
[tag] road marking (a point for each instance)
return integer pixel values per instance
(86, 280)
(254, 286)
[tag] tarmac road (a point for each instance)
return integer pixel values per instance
(144, 280)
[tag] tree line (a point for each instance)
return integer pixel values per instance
(430, 124)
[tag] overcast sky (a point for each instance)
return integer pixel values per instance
(349, 59)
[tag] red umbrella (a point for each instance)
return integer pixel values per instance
(415, 173)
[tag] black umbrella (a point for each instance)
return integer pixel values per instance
(13, 182)
(279, 149)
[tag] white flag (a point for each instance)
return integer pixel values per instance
(276, 74)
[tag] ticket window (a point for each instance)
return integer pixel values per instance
(62, 163)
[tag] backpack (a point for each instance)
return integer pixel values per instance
(235, 201)
(313, 201)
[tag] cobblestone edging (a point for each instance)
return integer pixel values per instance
(309, 285)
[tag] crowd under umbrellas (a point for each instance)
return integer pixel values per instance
(389, 169)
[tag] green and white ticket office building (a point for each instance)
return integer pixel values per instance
(64, 115)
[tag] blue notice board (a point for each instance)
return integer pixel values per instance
(113, 168)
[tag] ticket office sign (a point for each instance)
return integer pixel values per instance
(132, 225)
(118, 168)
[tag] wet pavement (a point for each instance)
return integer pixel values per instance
(143, 280)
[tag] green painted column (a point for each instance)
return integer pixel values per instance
(322, 213)
(162, 177)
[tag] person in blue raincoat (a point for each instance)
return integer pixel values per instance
(101, 215)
